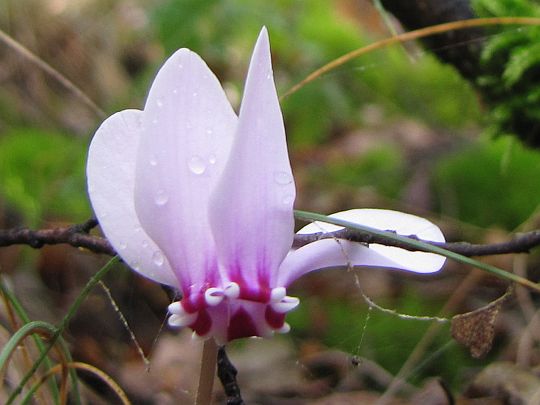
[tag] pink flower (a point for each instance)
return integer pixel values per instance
(194, 196)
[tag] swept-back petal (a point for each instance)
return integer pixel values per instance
(251, 209)
(338, 253)
(111, 181)
(188, 125)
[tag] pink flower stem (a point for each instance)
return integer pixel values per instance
(208, 371)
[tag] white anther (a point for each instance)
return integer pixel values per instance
(284, 329)
(278, 294)
(232, 291)
(186, 319)
(176, 308)
(213, 296)
(285, 305)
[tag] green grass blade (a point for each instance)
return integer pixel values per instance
(419, 245)
(23, 316)
(65, 321)
(27, 329)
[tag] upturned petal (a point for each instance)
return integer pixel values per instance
(251, 208)
(188, 126)
(338, 253)
(111, 181)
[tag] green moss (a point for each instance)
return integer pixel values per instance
(511, 66)
(490, 184)
(42, 175)
(381, 168)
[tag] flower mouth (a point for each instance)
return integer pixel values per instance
(233, 312)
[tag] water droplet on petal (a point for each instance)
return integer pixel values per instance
(175, 91)
(159, 103)
(212, 159)
(287, 199)
(123, 246)
(155, 121)
(153, 161)
(195, 94)
(158, 258)
(282, 178)
(180, 66)
(135, 265)
(161, 198)
(209, 131)
(196, 165)
(144, 244)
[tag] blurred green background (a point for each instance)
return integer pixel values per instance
(392, 129)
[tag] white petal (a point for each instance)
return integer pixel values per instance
(111, 177)
(388, 220)
(188, 129)
(251, 209)
(338, 253)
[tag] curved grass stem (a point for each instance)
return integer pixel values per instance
(65, 321)
(409, 36)
(421, 246)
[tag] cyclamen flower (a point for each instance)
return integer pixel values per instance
(194, 196)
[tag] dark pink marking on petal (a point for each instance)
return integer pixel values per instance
(254, 293)
(234, 271)
(203, 323)
(241, 325)
(274, 319)
(193, 302)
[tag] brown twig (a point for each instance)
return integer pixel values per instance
(520, 243)
(75, 235)
(227, 375)
(78, 236)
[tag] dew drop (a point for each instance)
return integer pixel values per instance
(144, 244)
(195, 94)
(135, 265)
(209, 131)
(123, 246)
(196, 165)
(212, 159)
(153, 161)
(157, 258)
(175, 91)
(159, 103)
(287, 199)
(161, 198)
(282, 178)
(180, 66)
(154, 121)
